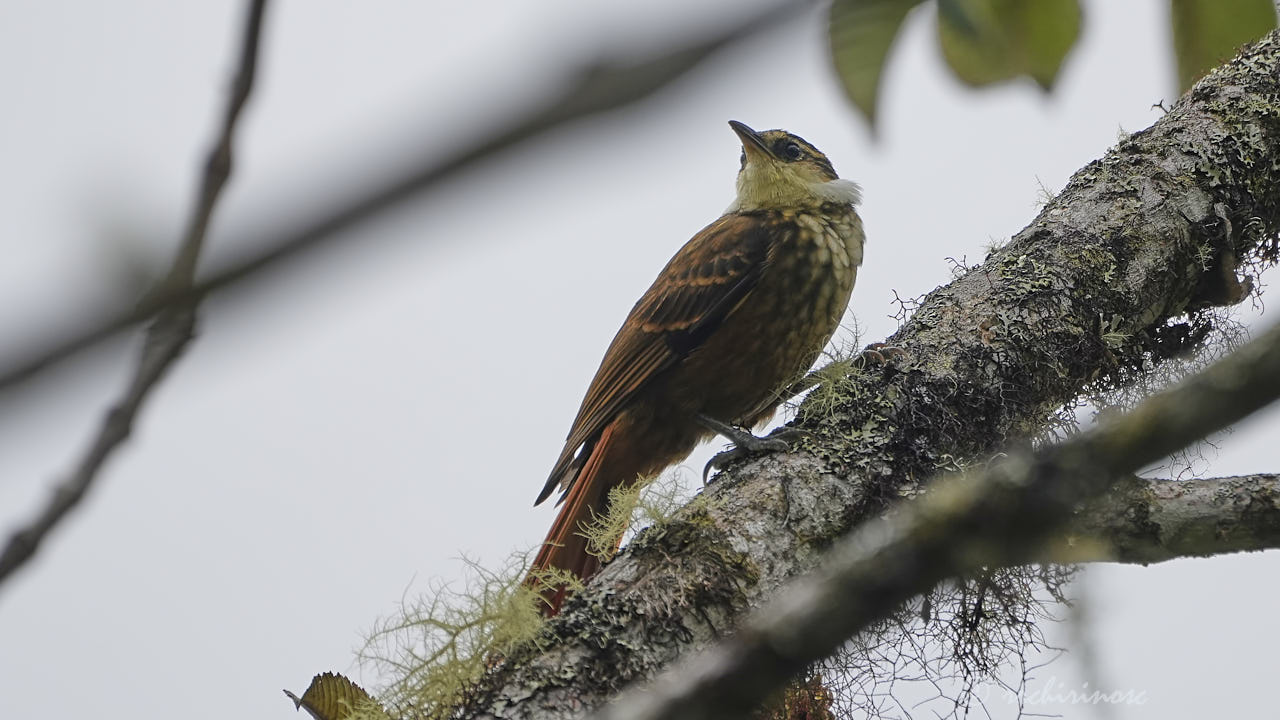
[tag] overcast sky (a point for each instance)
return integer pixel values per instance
(344, 431)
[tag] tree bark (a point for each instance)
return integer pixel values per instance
(1151, 521)
(996, 515)
(1088, 296)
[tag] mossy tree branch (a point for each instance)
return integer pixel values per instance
(997, 516)
(1089, 294)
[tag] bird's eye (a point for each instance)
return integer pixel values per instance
(792, 152)
(742, 159)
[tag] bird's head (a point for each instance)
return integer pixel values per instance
(780, 170)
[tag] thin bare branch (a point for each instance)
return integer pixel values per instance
(995, 517)
(171, 330)
(606, 83)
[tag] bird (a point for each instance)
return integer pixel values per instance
(739, 314)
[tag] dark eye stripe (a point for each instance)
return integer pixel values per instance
(780, 140)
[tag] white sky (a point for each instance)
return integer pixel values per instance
(350, 428)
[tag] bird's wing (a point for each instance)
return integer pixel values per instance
(693, 294)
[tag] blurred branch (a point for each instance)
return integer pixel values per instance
(172, 328)
(607, 83)
(1149, 521)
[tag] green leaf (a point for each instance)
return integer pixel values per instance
(1208, 32)
(861, 33)
(989, 41)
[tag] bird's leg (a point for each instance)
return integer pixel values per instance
(740, 437)
(744, 443)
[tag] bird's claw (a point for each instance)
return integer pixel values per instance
(879, 354)
(745, 445)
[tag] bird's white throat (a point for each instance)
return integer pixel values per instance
(756, 195)
(845, 192)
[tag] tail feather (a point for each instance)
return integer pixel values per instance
(565, 547)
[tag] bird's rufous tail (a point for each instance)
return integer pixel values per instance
(566, 547)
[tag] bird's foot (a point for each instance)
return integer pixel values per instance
(879, 354)
(744, 443)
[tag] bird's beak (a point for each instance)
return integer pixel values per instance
(751, 141)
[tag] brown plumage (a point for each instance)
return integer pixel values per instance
(740, 312)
